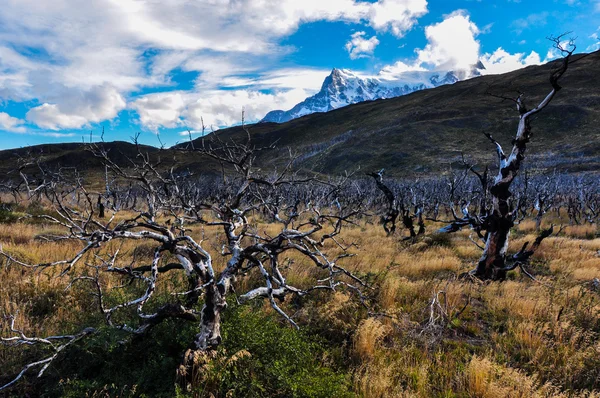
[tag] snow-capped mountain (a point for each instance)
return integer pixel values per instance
(343, 87)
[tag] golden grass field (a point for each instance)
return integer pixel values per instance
(517, 338)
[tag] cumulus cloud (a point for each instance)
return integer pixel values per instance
(160, 109)
(77, 109)
(451, 43)
(501, 61)
(399, 16)
(358, 46)
(213, 109)
(12, 124)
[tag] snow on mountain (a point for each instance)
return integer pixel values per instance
(344, 87)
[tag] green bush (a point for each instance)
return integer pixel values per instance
(261, 357)
(8, 216)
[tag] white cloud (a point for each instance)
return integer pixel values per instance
(160, 110)
(284, 16)
(399, 16)
(451, 43)
(451, 46)
(290, 78)
(593, 47)
(76, 109)
(554, 53)
(359, 47)
(501, 61)
(225, 109)
(186, 133)
(12, 124)
(14, 82)
(594, 36)
(212, 108)
(486, 29)
(52, 134)
(532, 20)
(391, 72)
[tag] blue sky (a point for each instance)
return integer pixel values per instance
(68, 68)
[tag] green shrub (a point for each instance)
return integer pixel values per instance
(263, 358)
(9, 217)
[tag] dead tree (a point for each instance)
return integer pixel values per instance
(494, 226)
(543, 202)
(100, 207)
(171, 206)
(399, 206)
(492, 264)
(388, 220)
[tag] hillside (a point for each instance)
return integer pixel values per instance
(416, 134)
(422, 132)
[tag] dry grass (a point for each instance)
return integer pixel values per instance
(368, 337)
(518, 338)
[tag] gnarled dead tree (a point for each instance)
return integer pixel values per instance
(493, 226)
(407, 205)
(388, 220)
(492, 264)
(168, 207)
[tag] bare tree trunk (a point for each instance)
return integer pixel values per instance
(392, 211)
(492, 264)
(210, 323)
(538, 220)
(100, 207)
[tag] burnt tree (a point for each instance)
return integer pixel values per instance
(493, 263)
(399, 207)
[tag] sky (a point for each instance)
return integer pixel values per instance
(70, 69)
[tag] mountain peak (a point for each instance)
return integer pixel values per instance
(343, 87)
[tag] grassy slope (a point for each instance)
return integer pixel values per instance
(423, 131)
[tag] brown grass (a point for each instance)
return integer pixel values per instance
(519, 338)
